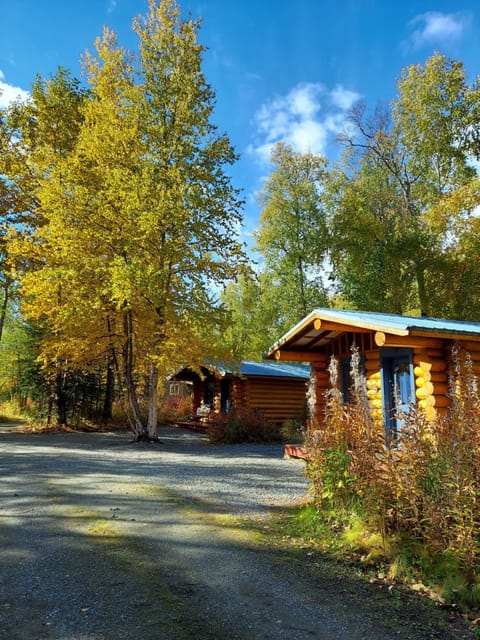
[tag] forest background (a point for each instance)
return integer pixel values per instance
(120, 250)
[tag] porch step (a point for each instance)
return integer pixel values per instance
(295, 451)
(199, 427)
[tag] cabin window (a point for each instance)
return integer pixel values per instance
(398, 386)
(174, 389)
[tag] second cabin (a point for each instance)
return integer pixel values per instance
(276, 391)
(406, 359)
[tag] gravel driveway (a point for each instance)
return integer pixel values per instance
(102, 539)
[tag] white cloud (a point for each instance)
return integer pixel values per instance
(9, 93)
(435, 27)
(306, 118)
(343, 98)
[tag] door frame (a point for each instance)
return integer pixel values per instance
(389, 358)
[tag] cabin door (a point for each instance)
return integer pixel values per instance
(398, 388)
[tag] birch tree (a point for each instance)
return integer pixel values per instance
(141, 219)
(421, 149)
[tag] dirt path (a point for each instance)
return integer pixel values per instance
(100, 540)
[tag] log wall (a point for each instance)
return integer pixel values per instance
(374, 385)
(322, 379)
(431, 380)
(277, 399)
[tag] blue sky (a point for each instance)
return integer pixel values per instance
(281, 69)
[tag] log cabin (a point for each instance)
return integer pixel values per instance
(406, 359)
(275, 390)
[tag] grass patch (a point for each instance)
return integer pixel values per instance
(400, 563)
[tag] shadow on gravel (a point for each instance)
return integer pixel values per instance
(107, 540)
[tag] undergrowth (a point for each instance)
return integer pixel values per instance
(241, 426)
(412, 503)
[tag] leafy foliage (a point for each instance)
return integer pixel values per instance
(420, 493)
(240, 426)
(139, 220)
(405, 167)
(292, 238)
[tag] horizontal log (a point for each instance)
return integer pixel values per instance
(433, 353)
(473, 344)
(441, 388)
(473, 353)
(425, 391)
(421, 372)
(421, 380)
(331, 325)
(431, 365)
(300, 356)
(476, 370)
(442, 401)
(439, 376)
(278, 386)
(321, 371)
(388, 340)
(273, 402)
(429, 401)
(279, 402)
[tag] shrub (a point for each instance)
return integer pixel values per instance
(174, 408)
(421, 492)
(241, 426)
(293, 431)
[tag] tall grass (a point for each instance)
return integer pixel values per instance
(419, 494)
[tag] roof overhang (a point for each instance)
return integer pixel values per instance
(312, 334)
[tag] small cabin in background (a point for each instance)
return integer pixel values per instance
(275, 390)
(406, 359)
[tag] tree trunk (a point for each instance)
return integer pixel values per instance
(3, 310)
(109, 393)
(421, 289)
(152, 426)
(125, 378)
(60, 400)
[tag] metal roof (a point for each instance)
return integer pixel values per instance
(272, 369)
(384, 321)
(389, 323)
(251, 368)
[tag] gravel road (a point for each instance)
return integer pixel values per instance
(103, 539)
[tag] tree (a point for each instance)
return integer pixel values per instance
(253, 320)
(293, 233)
(370, 246)
(421, 150)
(35, 135)
(140, 219)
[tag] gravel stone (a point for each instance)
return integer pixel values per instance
(106, 539)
